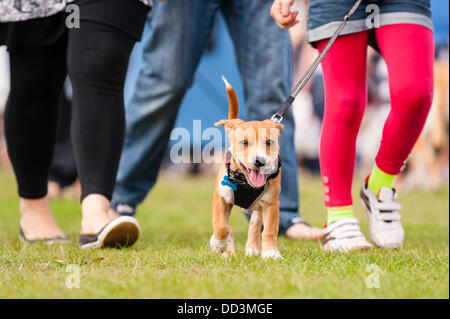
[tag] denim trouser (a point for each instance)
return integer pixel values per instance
(178, 33)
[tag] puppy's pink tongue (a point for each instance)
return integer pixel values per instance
(256, 178)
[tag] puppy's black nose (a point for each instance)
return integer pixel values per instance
(260, 161)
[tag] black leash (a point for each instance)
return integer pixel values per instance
(278, 116)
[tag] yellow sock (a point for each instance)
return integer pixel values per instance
(338, 213)
(379, 179)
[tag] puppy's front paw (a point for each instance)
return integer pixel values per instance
(250, 252)
(218, 246)
(227, 254)
(271, 254)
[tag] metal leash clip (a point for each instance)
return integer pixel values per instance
(277, 118)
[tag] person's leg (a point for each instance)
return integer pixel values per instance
(176, 38)
(344, 71)
(408, 50)
(63, 171)
(37, 78)
(265, 66)
(97, 62)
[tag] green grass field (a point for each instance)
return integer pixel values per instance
(172, 258)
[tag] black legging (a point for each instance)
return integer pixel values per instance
(97, 60)
(63, 169)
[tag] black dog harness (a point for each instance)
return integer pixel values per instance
(245, 195)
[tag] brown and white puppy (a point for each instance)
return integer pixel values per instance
(254, 152)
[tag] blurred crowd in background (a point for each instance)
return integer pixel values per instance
(426, 169)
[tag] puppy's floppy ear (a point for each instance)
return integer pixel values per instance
(221, 123)
(279, 126)
(233, 123)
(275, 125)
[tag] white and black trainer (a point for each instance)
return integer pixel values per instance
(385, 228)
(345, 235)
(122, 231)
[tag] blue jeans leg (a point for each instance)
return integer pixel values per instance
(264, 58)
(175, 39)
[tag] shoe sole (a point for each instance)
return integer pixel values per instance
(396, 246)
(121, 232)
(343, 250)
(124, 235)
(50, 241)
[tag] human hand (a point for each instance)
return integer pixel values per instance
(281, 13)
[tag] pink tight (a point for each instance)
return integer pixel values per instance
(408, 50)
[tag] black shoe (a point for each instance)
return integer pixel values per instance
(49, 241)
(122, 231)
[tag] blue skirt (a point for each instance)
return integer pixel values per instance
(324, 16)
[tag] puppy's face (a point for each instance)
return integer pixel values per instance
(254, 145)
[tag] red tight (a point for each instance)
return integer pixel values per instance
(408, 50)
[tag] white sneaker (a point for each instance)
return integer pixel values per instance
(344, 235)
(385, 228)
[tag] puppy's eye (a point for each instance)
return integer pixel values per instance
(244, 142)
(269, 142)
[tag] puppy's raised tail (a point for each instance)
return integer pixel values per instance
(233, 103)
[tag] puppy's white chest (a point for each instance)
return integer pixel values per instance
(226, 192)
(228, 195)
